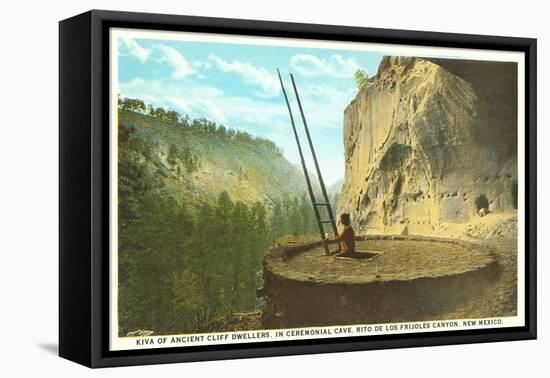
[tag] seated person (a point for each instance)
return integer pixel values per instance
(346, 238)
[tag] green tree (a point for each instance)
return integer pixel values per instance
(295, 218)
(309, 224)
(172, 116)
(159, 113)
(185, 120)
(278, 220)
(361, 77)
(238, 252)
(206, 264)
(222, 132)
(189, 161)
(180, 267)
(260, 224)
(172, 155)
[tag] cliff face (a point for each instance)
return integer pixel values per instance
(430, 142)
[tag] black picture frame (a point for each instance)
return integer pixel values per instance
(84, 192)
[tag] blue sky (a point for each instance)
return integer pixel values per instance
(237, 85)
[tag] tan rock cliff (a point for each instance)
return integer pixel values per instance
(430, 142)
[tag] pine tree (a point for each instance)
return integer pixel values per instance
(260, 225)
(278, 221)
(172, 155)
(295, 218)
(308, 217)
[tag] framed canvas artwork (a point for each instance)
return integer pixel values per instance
(236, 188)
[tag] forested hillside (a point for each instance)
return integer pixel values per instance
(198, 206)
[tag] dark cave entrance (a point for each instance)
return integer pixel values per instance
(482, 203)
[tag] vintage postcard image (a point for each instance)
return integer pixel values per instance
(269, 189)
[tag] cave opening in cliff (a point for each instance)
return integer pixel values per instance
(482, 203)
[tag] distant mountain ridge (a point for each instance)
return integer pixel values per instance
(335, 188)
(197, 161)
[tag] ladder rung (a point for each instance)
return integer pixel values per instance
(322, 204)
(327, 221)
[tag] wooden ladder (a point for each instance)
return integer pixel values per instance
(316, 204)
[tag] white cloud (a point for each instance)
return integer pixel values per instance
(323, 105)
(336, 66)
(192, 99)
(131, 47)
(250, 74)
(330, 93)
(200, 64)
(171, 56)
(163, 54)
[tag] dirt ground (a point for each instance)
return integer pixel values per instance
(242, 321)
(392, 260)
(501, 299)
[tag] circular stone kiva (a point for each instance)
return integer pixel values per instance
(395, 278)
